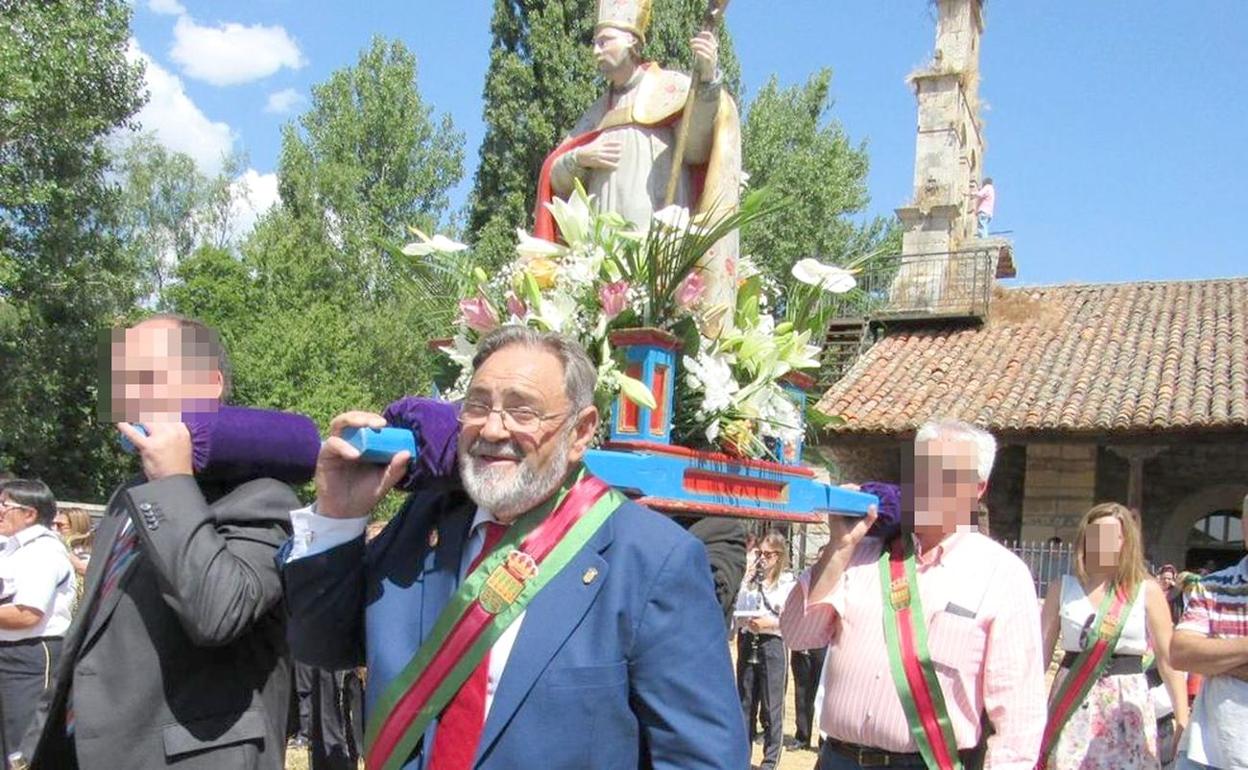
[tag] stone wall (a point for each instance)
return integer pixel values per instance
(1058, 488)
(1188, 481)
(858, 463)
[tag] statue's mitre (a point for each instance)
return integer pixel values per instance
(629, 15)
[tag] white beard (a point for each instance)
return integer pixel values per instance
(507, 493)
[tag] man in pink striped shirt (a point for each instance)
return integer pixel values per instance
(980, 608)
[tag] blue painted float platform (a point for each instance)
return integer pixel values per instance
(684, 481)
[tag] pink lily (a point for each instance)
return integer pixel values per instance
(690, 291)
(614, 298)
(515, 305)
(478, 314)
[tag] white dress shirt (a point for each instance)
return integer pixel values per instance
(315, 534)
(35, 568)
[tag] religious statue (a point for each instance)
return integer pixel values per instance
(624, 148)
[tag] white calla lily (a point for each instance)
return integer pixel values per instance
(426, 245)
(830, 278)
(528, 247)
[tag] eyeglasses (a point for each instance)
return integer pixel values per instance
(5, 505)
(769, 554)
(516, 419)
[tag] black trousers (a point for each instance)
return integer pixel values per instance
(807, 666)
(25, 672)
(763, 684)
(327, 716)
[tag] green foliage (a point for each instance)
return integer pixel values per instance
(65, 84)
(540, 80)
(791, 145)
(674, 24)
(670, 254)
(319, 312)
(169, 208)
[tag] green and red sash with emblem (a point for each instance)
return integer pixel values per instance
(914, 675)
(1097, 653)
(534, 550)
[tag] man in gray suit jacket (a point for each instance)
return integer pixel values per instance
(177, 655)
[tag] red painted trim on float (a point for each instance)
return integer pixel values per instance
(701, 482)
(646, 336)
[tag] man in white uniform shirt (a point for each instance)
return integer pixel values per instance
(35, 602)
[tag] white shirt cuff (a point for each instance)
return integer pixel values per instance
(313, 533)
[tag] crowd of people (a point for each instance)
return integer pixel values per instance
(518, 613)
(1115, 699)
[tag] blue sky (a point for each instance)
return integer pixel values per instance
(1116, 128)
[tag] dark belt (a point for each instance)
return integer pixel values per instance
(1119, 665)
(866, 756)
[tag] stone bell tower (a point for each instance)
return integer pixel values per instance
(949, 147)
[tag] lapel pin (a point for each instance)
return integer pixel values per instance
(590, 575)
(433, 538)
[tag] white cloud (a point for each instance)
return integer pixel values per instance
(176, 121)
(254, 194)
(232, 53)
(283, 101)
(166, 7)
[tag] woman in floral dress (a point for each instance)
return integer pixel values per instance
(1114, 728)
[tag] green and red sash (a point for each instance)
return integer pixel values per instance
(534, 550)
(914, 675)
(1087, 667)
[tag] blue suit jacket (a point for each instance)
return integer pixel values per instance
(627, 670)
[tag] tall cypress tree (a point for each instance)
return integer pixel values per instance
(541, 78)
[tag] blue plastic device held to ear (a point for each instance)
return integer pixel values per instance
(380, 445)
(126, 443)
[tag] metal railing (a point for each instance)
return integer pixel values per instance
(916, 286)
(1047, 561)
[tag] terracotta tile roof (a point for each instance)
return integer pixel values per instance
(1108, 358)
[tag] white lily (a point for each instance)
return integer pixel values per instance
(426, 245)
(677, 218)
(572, 216)
(528, 247)
(460, 351)
(830, 278)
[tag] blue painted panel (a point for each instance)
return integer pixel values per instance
(665, 476)
(650, 358)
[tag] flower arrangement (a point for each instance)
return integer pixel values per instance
(608, 276)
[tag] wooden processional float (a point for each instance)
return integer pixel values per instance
(639, 459)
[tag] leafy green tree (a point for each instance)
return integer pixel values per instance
(65, 84)
(792, 145)
(169, 208)
(319, 311)
(367, 160)
(540, 80)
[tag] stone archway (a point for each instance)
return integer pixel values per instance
(1172, 544)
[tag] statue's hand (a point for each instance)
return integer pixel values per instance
(601, 153)
(705, 55)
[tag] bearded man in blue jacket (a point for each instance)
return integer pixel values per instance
(532, 618)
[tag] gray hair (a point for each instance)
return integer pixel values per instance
(580, 376)
(985, 444)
